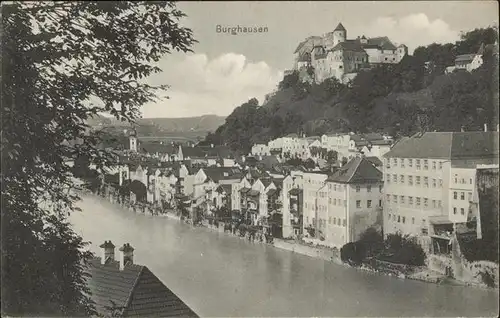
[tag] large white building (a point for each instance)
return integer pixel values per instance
(430, 179)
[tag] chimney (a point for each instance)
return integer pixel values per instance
(211, 145)
(126, 255)
(108, 251)
(485, 127)
(462, 129)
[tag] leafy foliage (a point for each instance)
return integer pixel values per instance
(56, 58)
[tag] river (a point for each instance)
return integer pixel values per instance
(219, 275)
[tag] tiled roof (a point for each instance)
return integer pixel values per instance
(464, 58)
(222, 173)
(358, 170)
(381, 42)
(447, 145)
(306, 57)
(245, 190)
(253, 193)
(135, 289)
(278, 182)
(295, 191)
(155, 147)
(375, 161)
(271, 192)
(339, 27)
(349, 45)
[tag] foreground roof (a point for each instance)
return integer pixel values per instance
(447, 145)
(135, 289)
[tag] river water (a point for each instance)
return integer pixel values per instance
(219, 275)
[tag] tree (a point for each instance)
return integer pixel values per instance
(57, 57)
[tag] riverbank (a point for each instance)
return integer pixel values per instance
(425, 274)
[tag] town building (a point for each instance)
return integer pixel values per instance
(429, 181)
(293, 204)
(121, 288)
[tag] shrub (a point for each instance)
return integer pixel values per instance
(352, 253)
(403, 250)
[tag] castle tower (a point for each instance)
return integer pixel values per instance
(133, 140)
(339, 34)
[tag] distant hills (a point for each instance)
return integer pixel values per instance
(202, 124)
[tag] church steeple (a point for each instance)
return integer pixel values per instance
(340, 27)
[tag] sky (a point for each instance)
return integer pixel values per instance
(227, 70)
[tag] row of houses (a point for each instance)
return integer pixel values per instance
(425, 187)
(346, 145)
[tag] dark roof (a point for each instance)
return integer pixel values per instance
(306, 57)
(447, 145)
(295, 191)
(245, 190)
(381, 42)
(374, 160)
(135, 288)
(465, 58)
(278, 182)
(156, 147)
(358, 170)
(339, 27)
(222, 173)
(349, 45)
(271, 192)
(253, 192)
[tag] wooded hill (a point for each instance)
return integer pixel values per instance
(395, 99)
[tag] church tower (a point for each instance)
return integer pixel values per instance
(133, 140)
(339, 34)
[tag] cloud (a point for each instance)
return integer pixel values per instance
(199, 85)
(413, 30)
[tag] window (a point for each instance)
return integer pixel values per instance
(402, 162)
(440, 183)
(388, 178)
(404, 219)
(462, 211)
(418, 201)
(433, 165)
(417, 180)
(455, 179)
(358, 204)
(380, 188)
(439, 203)
(369, 203)
(455, 195)
(335, 221)
(418, 164)
(469, 196)
(369, 188)
(379, 202)
(410, 200)
(402, 179)
(462, 195)
(434, 204)
(470, 181)
(358, 188)
(399, 218)
(454, 210)
(440, 166)
(410, 180)
(329, 200)
(402, 199)
(426, 182)
(395, 178)
(344, 222)
(426, 202)
(462, 181)
(433, 183)
(334, 187)
(388, 197)
(426, 164)
(395, 162)
(388, 163)
(395, 199)
(410, 163)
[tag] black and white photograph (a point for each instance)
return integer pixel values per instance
(249, 159)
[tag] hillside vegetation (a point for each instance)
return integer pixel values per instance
(396, 99)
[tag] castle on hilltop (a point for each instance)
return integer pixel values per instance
(333, 55)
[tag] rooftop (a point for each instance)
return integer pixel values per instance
(447, 145)
(135, 289)
(358, 170)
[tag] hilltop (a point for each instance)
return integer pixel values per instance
(398, 99)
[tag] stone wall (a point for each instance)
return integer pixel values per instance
(317, 252)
